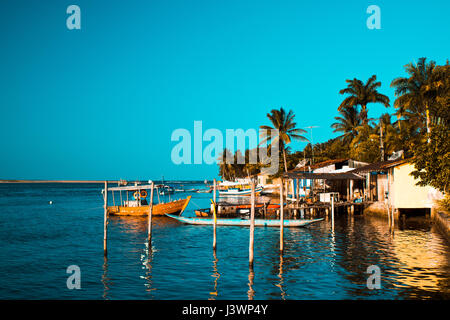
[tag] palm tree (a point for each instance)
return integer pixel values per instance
(347, 124)
(362, 94)
(287, 131)
(412, 95)
(437, 92)
(226, 170)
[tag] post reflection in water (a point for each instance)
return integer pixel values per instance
(105, 278)
(216, 276)
(251, 277)
(147, 260)
(280, 276)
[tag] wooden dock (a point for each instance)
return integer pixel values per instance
(323, 209)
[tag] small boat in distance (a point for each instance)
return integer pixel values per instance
(240, 187)
(244, 222)
(204, 191)
(165, 189)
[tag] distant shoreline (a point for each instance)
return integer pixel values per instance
(56, 181)
(90, 181)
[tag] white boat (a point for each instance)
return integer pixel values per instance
(239, 191)
(244, 222)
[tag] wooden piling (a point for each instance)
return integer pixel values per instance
(150, 215)
(105, 219)
(281, 218)
(215, 218)
(252, 225)
(286, 189)
(265, 209)
(351, 189)
(298, 192)
(388, 213)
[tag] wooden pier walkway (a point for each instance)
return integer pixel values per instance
(323, 209)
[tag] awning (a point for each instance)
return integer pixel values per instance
(132, 188)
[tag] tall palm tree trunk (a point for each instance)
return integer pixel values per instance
(428, 123)
(364, 113)
(285, 163)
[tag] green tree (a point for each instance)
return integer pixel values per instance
(347, 124)
(366, 145)
(437, 92)
(432, 160)
(362, 94)
(287, 131)
(392, 140)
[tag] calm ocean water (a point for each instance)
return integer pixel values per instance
(39, 241)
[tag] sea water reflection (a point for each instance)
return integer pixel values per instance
(317, 263)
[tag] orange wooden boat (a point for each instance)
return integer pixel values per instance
(161, 209)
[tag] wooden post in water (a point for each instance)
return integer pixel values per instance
(351, 189)
(150, 215)
(298, 191)
(215, 217)
(105, 219)
(291, 184)
(281, 218)
(265, 208)
(332, 212)
(252, 225)
(388, 213)
(393, 219)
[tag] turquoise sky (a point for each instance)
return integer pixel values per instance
(102, 102)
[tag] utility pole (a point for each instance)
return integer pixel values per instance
(381, 140)
(312, 142)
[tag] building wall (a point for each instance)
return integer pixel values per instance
(326, 169)
(382, 187)
(405, 193)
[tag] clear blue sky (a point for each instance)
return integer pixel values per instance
(102, 102)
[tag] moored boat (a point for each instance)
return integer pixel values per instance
(244, 222)
(138, 205)
(239, 191)
(173, 207)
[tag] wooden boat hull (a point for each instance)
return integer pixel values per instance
(244, 222)
(161, 209)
